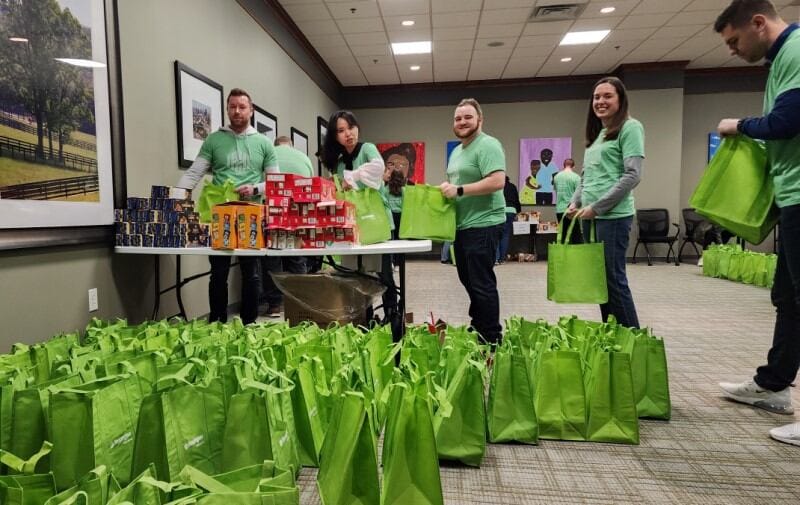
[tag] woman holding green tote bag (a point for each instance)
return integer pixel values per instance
(612, 168)
(360, 166)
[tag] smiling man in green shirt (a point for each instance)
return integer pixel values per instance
(475, 179)
(753, 31)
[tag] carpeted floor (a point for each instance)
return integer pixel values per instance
(712, 451)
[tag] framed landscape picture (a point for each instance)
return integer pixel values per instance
(299, 140)
(200, 111)
(322, 130)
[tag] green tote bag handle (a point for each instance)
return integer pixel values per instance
(561, 238)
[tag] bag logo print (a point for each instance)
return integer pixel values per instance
(198, 440)
(121, 440)
(283, 439)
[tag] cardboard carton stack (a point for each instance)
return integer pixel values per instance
(237, 225)
(166, 219)
(303, 213)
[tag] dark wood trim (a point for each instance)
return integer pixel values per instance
(27, 238)
(704, 81)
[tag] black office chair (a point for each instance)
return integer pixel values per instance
(654, 229)
(691, 220)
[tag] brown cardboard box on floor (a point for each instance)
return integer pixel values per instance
(324, 298)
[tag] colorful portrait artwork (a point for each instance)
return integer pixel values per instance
(451, 145)
(539, 161)
(405, 157)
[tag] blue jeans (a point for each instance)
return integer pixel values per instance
(445, 256)
(615, 233)
(475, 249)
(508, 230)
(783, 359)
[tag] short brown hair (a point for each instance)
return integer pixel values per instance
(283, 139)
(474, 103)
(570, 162)
(740, 12)
(239, 92)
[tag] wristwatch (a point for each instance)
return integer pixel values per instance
(460, 191)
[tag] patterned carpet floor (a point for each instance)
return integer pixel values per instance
(712, 451)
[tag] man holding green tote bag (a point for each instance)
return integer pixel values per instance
(753, 30)
(475, 179)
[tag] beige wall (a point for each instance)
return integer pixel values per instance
(45, 291)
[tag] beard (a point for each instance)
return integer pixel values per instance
(465, 135)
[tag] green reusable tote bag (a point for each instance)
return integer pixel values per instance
(511, 412)
(26, 487)
(651, 377)
(212, 195)
(411, 467)
(94, 488)
(348, 465)
(94, 424)
(246, 440)
(736, 191)
(560, 396)
(461, 436)
(373, 223)
(143, 490)
(427, 214)
(711, 262)
(611, 403)
(576, 273)
(308, 424)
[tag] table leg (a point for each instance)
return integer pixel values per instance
(401, 303)
(157, 283)
(178, 285)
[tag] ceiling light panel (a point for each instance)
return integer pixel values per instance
(418, 47)
(587, 37)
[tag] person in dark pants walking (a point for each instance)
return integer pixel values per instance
(475, 179)
(513, 207)
(753, 30)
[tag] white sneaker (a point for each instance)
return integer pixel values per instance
(779, 402)
(789, 434)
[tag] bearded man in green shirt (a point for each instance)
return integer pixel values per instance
(475, 179)
(242, 155)
(753, 30)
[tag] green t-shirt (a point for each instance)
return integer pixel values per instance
(483, 156)
(603, 167)
(783, 156)
(393, 202)
(367, 153)
(242, 159)
(565, 184)
(293, 161)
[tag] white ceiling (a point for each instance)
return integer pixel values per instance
(355, 45)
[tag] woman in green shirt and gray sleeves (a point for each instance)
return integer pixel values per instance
(612, 167)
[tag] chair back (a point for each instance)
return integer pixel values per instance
(691, 220)
(653, 223)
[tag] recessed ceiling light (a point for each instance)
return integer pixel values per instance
(566, 60)
(496, 43)
(18, 39)
(414, 68)
(81, 63)
(422, 47)
(408, 22)
(607, 10)
(589, 37)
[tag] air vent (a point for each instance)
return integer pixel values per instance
(558, 12)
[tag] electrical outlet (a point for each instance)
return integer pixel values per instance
(93, 300)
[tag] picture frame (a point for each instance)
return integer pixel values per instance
(322, 130)
(265, 122)
(299, 140)
(44, 220)
(200, 111)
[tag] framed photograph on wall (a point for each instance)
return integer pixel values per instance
(200, 111)
(62, 152)
(299, 140)
(264, 122)
(322, 130)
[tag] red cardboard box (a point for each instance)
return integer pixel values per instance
(338, 213)
(313, 189)
(280, 185)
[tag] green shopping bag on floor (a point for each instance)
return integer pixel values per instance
(736, 191)
(212, 195)
(611, 401)
(411, 466)
(94, 424)
(736, 266)
(143, 490)
(254, 485)
(348, 466)
(371, 218)
(560, 396)
(511, 412)
(427, 214)
(650, 377)
(711, 262)
(309, 426)
(94, 488)
(26, 487)
(246, 440)
(461, 436)
(576, 273)
(772, 264)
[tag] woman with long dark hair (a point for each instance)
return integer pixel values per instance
(612, 168)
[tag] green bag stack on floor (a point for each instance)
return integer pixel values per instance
(427, 214)
(94, 488)
(611, 404)
(461, 436)
(576, 273)
(732, 263)
(25, 487)
(560, 395)
(736, 190)
(511, 411)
